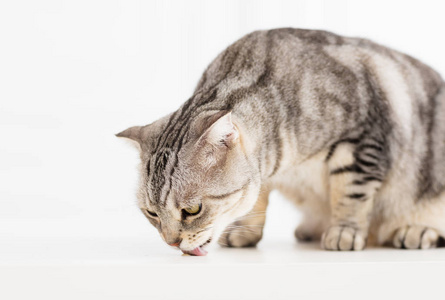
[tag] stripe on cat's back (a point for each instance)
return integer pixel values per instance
(268, 70)
(269, 78)
(426, 183)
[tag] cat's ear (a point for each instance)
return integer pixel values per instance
(142, 136)
(221, 131)
(133, 134)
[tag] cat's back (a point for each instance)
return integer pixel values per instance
(288, 53)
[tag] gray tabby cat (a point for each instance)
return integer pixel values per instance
(351, 131)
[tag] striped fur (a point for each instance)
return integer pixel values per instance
(349, 130)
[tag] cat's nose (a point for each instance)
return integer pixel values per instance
(171, 237)
(176, 243)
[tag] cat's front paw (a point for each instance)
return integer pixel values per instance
(415, 237)
(343, 238)
(241, 237)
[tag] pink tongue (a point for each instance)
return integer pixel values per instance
(198, 251)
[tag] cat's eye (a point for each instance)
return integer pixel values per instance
(192, 210)
(154, 215)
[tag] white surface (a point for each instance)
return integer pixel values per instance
(277, 269)
(73, 73)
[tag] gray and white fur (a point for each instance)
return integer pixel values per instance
(350, 131)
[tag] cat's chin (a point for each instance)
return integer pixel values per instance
(198, 251)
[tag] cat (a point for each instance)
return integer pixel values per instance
(349, 130)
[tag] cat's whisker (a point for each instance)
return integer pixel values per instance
(255, 212)
(241, 234)
(242, 231)
(223, 244)
(243, 226)
(250, 216)
(205, 229)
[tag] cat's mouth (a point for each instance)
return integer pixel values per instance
(198, 251)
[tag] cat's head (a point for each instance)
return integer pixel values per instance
(195, 179)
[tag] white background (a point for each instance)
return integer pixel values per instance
(74, 73)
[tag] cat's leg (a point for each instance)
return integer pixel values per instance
(248, 230)
(356, 171)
